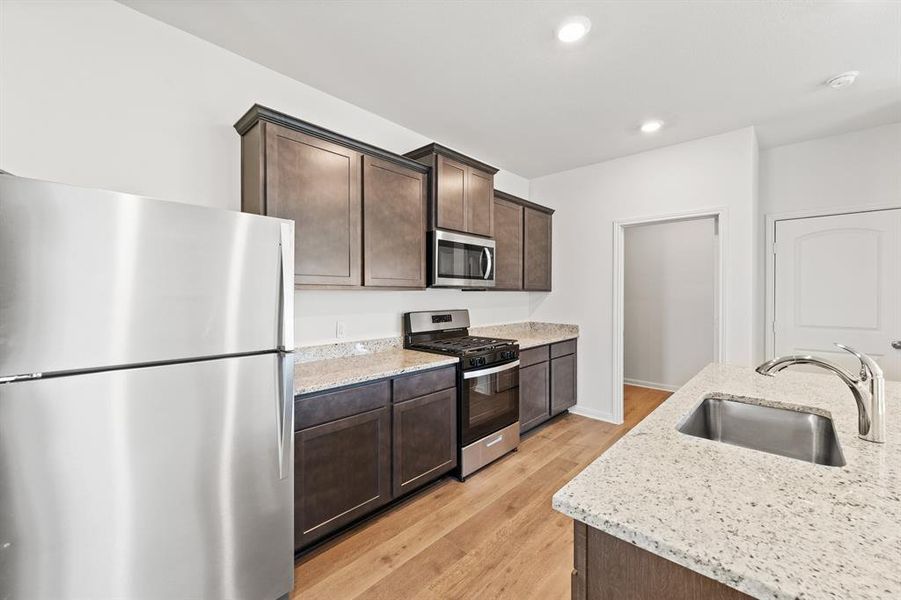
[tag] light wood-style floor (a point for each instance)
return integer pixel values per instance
(495, 536)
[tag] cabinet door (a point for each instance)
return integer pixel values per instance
(563, 383)
(318, 185)
(342, 471)
(537, 256)
(480, 203)
(394, 225)
(452, 183)
(425, 439)
(508, 249)
(534, 398)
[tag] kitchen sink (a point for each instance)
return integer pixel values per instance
(800, 434)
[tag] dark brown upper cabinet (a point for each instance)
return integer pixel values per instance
(508, 243)
(394, 225)
(537, 254)
(522, 235)
(462, 190)
(312, 182)
(360, 212)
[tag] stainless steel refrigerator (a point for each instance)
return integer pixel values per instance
(146, 398)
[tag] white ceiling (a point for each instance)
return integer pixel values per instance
(491, 78)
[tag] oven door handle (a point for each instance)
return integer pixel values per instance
(491, 370)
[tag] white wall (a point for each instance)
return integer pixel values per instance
(669, 301)
(854, 170)
(718, 171)
(96, 94)
(840, 173)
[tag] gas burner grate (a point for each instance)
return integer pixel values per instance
(463, 345)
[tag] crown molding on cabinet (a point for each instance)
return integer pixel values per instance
(434, 148)
(257, 113)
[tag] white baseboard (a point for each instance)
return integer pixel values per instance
(651, 384)
(593, 413)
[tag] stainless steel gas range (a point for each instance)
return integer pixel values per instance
(487, 383)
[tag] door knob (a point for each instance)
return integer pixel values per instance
(896, 344)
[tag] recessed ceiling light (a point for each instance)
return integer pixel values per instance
(573, 29)
(842, 79)
(651, 126)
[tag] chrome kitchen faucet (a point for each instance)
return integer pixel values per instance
(868, 388)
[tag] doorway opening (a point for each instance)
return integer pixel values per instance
(668, 302)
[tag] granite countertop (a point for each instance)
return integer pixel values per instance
(530, 333)
(769, 526)
(344, 363)
(317, 375)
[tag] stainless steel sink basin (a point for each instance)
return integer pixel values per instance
(796, 434)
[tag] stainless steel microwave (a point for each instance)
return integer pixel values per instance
(460, 260)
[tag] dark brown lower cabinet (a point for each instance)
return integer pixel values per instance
(563, 383)
(547, 382)
(534, 399)
(342, 471)
(425, 439)
(607, 568)
(358, 448)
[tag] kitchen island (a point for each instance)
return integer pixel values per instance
(678, 513)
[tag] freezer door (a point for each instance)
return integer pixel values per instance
(92, 279)
(159, 482)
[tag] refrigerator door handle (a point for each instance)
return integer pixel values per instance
(286, 287)
(285, 416)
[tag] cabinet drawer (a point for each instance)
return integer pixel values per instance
(533, 356)
(316, 409)
(563, 348)
(420, 384)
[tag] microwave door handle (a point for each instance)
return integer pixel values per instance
(488, 260)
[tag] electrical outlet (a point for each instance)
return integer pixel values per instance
(340, 330)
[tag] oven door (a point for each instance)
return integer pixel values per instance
(461, 260)
(490, 401)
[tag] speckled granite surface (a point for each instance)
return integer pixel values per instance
(345, 349)
(530, 333)
(327, 366)
(770, 526)
(320, 375)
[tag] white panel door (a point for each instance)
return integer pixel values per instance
(838, 279)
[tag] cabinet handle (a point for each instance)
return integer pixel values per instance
(896, 344)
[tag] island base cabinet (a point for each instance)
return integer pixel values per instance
(607, 568)
(425, 439)
(342, 471)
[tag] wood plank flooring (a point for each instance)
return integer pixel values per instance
(495, 536)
